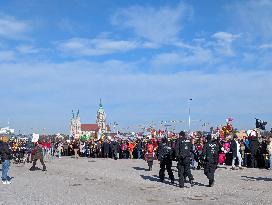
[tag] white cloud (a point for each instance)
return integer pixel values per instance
(188, 58)
(160, 25)
(7, 56)
(200, 54)
(224, 42)
(27, 49)
(266, 46)
(252, 16)
(150, 45)
(226, 37)
(11, 27)
(129, 96)
(93, 47)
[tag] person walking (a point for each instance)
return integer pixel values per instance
(165, 158)
(106, 148)
(139, 149)
(210, 154)
(150, 155)
(38, 155)
(254, 146)
(131, 146)
(76, 148)
(124, 148)
(236, 154)
(184, 149)
(115, 149)
(60, 148)
(65, 148)
(6, 156)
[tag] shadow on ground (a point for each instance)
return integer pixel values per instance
(35, 169)
(91, 161)
(156, 178)
(221, 167)
(247, 178)
(140, 169)
(9, 178)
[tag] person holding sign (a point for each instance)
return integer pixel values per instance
(38, 154)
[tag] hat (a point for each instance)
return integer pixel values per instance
(182, 134)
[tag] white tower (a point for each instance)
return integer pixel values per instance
(101, 119)
(75, 125)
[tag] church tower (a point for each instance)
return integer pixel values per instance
(101, 118)
(75, 126)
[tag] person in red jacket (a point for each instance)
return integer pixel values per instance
(150, 155)
(131, 146)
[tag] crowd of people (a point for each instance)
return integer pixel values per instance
(252, 150)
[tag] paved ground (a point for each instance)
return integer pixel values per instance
(101, 181)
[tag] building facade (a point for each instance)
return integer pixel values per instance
(75, 125)
(91, 130)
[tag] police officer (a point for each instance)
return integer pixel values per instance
(210, 154)
(184, 148)
(165, 158)
(38, 154)
(254, 147)
(114, 149)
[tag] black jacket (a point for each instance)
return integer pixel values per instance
(5, 151)
(233, 148)
(184, 149)
(106, 147)
(254, 146)
(210, 152)
(76, 145)
(165, 152)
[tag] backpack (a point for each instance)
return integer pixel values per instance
(212, 152)
(184, 149)
(165, 152)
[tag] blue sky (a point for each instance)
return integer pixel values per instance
(145, 59)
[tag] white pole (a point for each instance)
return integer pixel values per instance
(189, 120)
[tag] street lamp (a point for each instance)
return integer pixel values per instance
(189, 110)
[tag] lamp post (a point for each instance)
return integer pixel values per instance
(189, 117)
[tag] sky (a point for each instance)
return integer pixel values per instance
(145, 59)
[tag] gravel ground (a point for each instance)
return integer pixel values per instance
(106, 181)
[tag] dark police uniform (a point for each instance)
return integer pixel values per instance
(165, 158)
(184, 148)
(254, 146)
(210, 154)
(114, 149)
